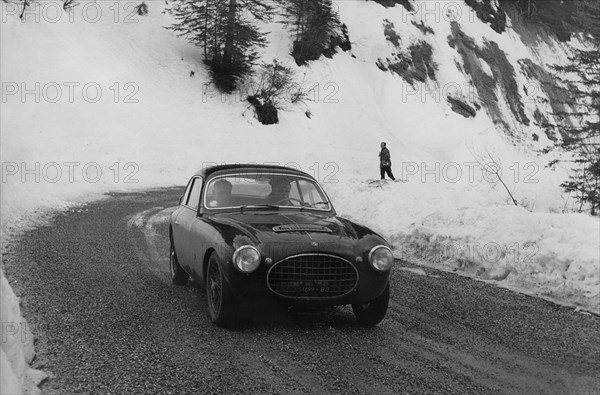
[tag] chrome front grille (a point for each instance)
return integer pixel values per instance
(312, 276)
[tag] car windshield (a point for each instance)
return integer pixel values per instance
(256, 190)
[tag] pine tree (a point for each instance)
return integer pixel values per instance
(226, 32)
(315, 25)
(582, 141)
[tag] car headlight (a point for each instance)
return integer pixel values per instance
(381, 258)
(246, 259)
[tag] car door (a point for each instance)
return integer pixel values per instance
(175, 221)
(184, 237)
(203, 237)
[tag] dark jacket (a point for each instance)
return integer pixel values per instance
(384, 158)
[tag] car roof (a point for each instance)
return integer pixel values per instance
(234, 168)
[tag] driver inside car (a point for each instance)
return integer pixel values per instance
(280, 192)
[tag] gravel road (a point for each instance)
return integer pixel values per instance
(94, 286)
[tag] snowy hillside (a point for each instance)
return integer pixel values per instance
(101, 99)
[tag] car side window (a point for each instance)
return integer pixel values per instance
(194, 196)
(188, 188)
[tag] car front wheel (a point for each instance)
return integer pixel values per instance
(371, 313)
(178, 275)
(218, 294)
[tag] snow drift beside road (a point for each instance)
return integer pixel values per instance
(136, 119)
(541, 254)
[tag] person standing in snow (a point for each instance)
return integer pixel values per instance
(385, 162)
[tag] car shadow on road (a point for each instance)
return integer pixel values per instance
(270, 313)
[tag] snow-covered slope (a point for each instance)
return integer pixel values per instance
(100, 99)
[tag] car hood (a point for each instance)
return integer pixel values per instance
(292, 231)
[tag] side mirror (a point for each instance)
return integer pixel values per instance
(180, 200)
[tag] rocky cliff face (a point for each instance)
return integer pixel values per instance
(484, 58)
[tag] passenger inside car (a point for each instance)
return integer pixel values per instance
(222, 194)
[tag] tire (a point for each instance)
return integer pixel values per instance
(218, 295)
(371, 313)
(178, 275)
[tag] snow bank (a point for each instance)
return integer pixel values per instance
(550, 255)
(16, 350)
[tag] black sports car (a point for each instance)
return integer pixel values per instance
(247, 231)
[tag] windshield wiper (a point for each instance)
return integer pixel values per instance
(313, 204)
(257, 205)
